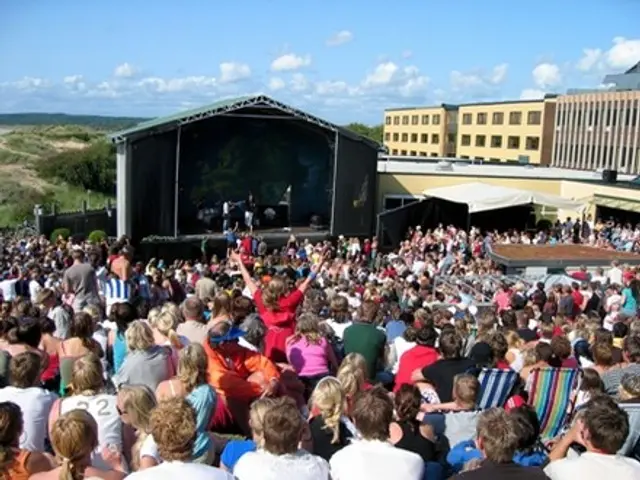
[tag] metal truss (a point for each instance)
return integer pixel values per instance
(257, 101)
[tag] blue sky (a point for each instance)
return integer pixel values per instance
(345, 60)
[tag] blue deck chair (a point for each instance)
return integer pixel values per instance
(496, 386)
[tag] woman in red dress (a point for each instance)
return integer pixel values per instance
(277, 307)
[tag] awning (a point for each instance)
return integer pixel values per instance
(482, 197)
(616, 202)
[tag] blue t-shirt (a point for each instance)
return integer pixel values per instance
(234, 450)
(395, 329)
(203, 399)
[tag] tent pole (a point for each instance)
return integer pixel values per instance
(177, 185)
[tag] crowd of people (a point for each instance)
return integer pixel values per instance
(334, 360)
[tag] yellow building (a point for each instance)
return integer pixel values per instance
(421, 131)
(515, 131)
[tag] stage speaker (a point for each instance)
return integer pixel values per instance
(610, 176)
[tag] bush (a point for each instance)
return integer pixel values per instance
(60, 232)
(97, 236)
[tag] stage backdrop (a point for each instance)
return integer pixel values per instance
(225, 158)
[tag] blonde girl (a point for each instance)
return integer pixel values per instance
(353, 375)
(165, 335)
(514, 355)
(330, 429)
(74, 438)
(134, 406)
(235, 448)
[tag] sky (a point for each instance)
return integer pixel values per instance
(344, 60)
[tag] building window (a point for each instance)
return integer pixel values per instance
(387, 120)
(394, 151)
(534, 118)
(403, 153)
(387, 136)
(466, 119)
(396, 201)
(413, 153)
(481, 159)
(494, 160)
(515, 118)
(396, 136)
(497, 118)
(496, 141)
(436, 119)
(481, 119)
(435, 138)
(396, 120)
(423, 154)
(533, 143)
(464, 157)
(414, 119)
(481, 140)
(465, 140)
(424, 138)
(414, 138)
(405, 137)
(434, 154)
(425, 119)
(405, 119)
(513, 142)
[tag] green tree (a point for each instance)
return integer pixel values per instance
(373, 132)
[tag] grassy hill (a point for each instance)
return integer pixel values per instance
(93, 121)
(26, 150)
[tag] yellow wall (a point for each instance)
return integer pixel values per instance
(580, 190)
(522, 131)
(421, 149)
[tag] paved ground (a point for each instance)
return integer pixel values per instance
(579, 253)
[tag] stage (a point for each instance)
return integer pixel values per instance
(190, 246)
(557, 257)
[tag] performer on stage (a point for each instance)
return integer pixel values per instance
(250, 209)
(226, 215)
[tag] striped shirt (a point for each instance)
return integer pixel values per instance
(117, 291)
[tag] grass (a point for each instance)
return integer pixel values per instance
(21, 187)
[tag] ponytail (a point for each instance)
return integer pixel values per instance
(174, 339)
(69, 471)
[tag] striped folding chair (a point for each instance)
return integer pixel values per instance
(496, 386)
(551, 394)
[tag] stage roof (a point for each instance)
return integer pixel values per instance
(482, 197)
(222, 107)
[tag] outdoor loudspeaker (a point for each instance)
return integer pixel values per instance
(610, 176)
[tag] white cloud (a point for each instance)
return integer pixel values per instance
(74, 82)
(125, 70)
(388, 77)
(233, 72)
(478, 83)
(531, 94)
(339, 38)
(162, 85)
(276, 84)
(547, 75)
(624, 53)
(27, 84)
(289, 62)
(299, 82)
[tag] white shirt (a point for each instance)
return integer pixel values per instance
(594, 466)
(102, 408)
(8, 288)
(35, 404)
(615, 276)
(34, 289)
(173, 470)
(262, 465)
(373, 460)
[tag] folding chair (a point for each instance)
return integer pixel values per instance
(551, 395)
(633, 411)
(496, 386)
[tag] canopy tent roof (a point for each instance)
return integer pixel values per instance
(482, 197)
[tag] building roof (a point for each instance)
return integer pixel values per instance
(170, 122)
(634, 69)
(445, 106)
(453, 167)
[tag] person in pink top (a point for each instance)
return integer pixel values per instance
(309, 352)
(502, 298)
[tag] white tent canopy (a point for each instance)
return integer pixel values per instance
(481, 197)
